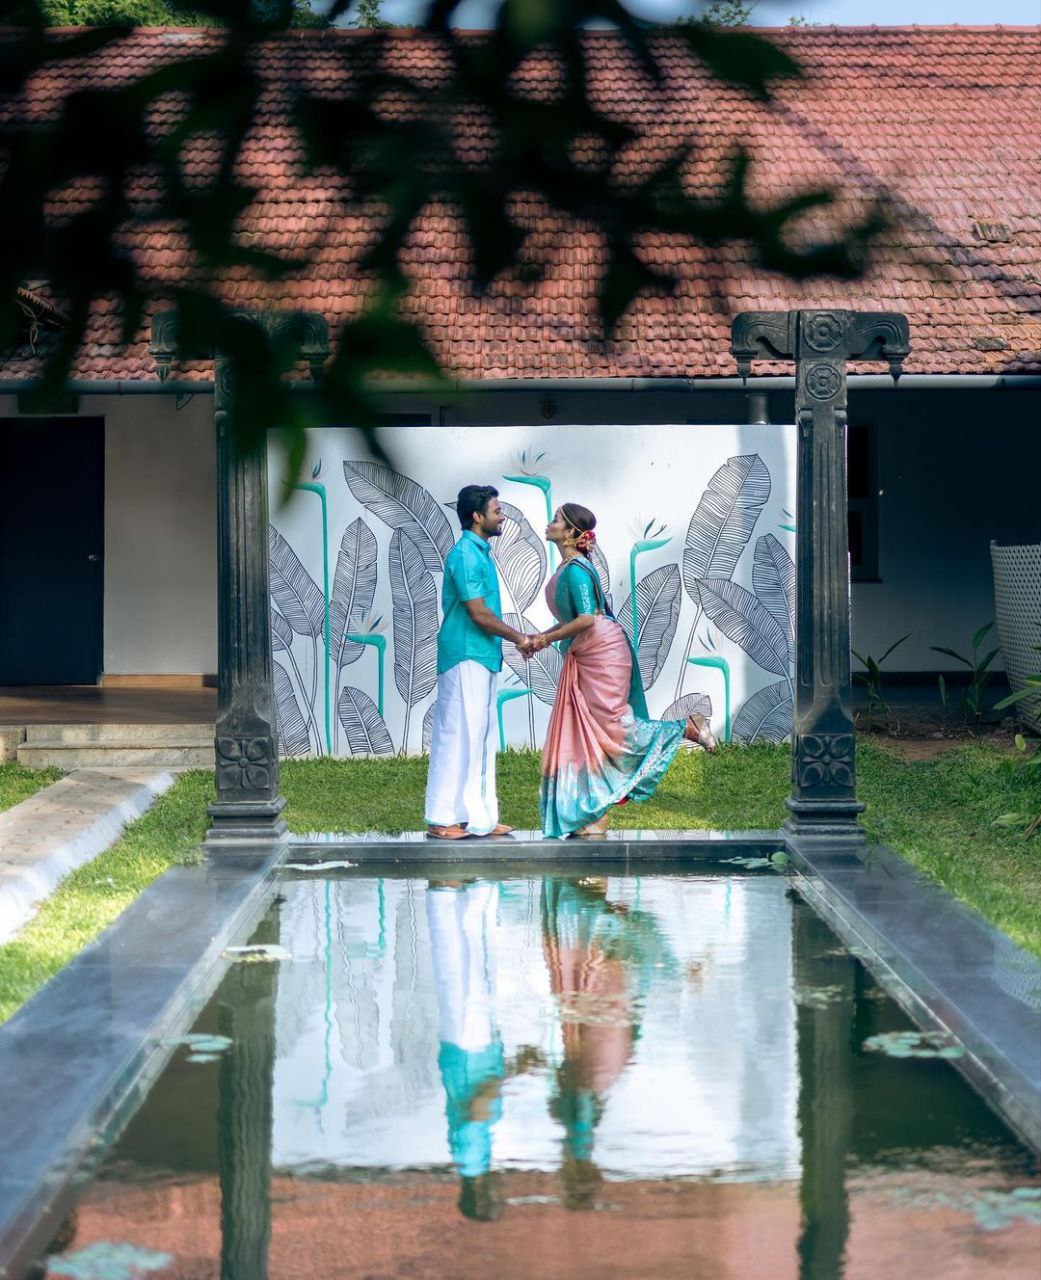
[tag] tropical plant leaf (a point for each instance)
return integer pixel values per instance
(540, 673)
(722, 524)
(294, 590)
(414, 595)
(521, 558)
(739, 615)
(428, 726)
(402, 504)
(354, 586)
(773, 576)
(281, 633)
(603, 573)
(689, 704)
(766, 716)
(366, 730)
(290, 725)
(657, 613)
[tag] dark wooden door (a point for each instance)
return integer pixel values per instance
(52, 495)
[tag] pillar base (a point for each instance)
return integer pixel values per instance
(825, 820)
(246, 820)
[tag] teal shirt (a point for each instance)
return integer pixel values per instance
(470, 574)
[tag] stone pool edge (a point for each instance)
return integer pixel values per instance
(78, 1057)
(945, 965)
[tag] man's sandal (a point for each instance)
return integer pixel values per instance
(455, 832)
(500, 829)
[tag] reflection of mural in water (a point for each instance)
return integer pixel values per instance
(331, 640)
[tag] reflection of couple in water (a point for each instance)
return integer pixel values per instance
(602, 748)
(599, 954)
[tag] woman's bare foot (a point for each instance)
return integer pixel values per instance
(597, 828)
(699, 730)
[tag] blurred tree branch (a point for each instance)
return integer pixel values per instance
(396, 164)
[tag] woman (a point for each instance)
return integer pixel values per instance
(601, 747)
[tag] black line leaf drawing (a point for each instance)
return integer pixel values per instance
(428, 726)
(603, 573)
(403, 504)
(541, 673)
(773, 576)
(739, 615)
(281, 633)
(366, 730)
(720, 528)
(690, 704)
(657, 613)
(294, 739)
(520, 555)
(766, 716)
(295, 591)
(414, 595)
(354, 586)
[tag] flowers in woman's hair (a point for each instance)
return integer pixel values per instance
(585, 540)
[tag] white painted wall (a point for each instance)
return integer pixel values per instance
(160, 534)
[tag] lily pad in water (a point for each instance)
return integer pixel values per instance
(261, 953)
(915, 1044)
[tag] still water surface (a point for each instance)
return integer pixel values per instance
(657, 1076)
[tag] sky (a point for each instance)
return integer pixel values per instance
(475, 13)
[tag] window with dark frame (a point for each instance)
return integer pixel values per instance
(862, 486)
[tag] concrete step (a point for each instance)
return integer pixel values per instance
(70, 756)
(118, 735)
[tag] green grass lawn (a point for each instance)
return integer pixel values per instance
(936, 813)
(18, 783)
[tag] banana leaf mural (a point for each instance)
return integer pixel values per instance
(414, 596)
(353, 590)
(603, 573)
(364, 727)
(294, 735)
(298, 598)
(428, 726)
(688, 704)
(741, 617)
(520, 555)
(657, 615)
(767, 715)
(282, 642)
(720, 529)
(403, 504)
(540, 673)
(773, 577)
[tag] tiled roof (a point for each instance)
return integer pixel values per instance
(942, 122)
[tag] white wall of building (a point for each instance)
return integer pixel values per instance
(160, 534)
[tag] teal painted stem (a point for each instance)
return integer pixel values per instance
(380, 645)
(720, 664)
(504, 696)
(311, 487)
(790, 527)
(645, 544)
(543, 483)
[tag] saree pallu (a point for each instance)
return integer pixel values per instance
(600, 746)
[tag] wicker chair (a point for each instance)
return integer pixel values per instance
(1017, 601)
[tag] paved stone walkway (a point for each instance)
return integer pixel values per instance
(63, 826)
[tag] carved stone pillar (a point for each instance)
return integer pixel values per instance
(823, 800)
(248, 805)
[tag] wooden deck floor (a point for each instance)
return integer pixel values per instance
(93, 704)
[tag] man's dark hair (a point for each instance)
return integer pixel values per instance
(472, 500)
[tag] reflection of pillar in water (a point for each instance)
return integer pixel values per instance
(825, 986)
(247, 1017)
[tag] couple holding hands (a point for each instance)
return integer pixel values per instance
(602, 748)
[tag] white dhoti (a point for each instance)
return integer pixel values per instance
(461, 780)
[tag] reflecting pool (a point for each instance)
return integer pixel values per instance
(674, 1075)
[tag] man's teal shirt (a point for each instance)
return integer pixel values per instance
(470, 574)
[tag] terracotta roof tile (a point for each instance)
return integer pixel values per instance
(943, 122)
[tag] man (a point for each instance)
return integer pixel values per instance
(461, 798)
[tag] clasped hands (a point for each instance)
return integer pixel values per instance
(528, 646)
